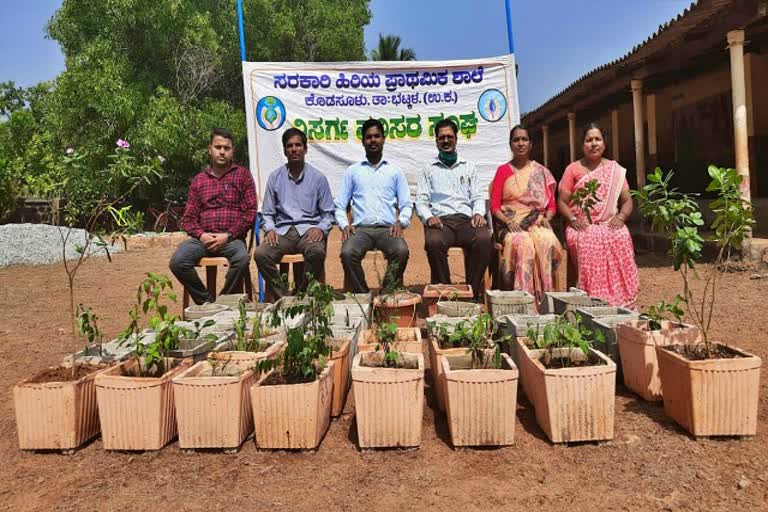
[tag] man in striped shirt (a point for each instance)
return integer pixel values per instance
(451, 205)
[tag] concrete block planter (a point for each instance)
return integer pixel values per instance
(57, 415)
(572, 404)
(509, 303)
(607, 325)
(197, 349)
(434, 323)
(136, 413)
(481, 404)
(111, 352)
(213, 411)
(548, 303)
(438, 378)
(517, 325)
(434, 293)
(570, 301)
(357, 309)
(399, 308)
(711, 397)
(637, 349)
(389, 403)
(408, 340)
(292, 416)
(341, 369)
(197, 311)
(456, 308)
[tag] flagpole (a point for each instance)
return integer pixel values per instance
(509, 27)
(243, 58)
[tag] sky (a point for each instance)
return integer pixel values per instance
(556, 41)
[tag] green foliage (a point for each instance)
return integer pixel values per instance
(585, 198)
(476, 335)
(566, 332)
(389, 49)
(662, 310)
(88, 328)
(386, 335)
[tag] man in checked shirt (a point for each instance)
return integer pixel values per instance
(221, 208)
(451, 205)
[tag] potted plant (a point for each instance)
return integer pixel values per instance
(250, 345)
(605, 319)
(481, 396)
(457, 340)
(389, 394)
(56, 409)
(394, 303)
(571, 385)
(512, 302)
(434, 293)
(709, 388)
(136, 397)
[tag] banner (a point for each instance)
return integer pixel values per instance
(331, 101)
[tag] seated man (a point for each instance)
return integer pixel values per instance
(374, 186)
(221, 208)
(297, 215)
(451, 205)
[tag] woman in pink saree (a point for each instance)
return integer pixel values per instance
(523, 204)
(601, 249)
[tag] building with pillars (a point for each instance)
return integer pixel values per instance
(694, 93)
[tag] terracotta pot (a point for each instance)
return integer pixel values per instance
(408, 340)
(481, 404)
(389, 403)
(572, 404)
(438, 378)
(213, 412)
(136, 413)
(711, 397)
(509, 303)
(435, 292)
(399, 308)
(56, 415)
(519, 357)
(292, 416)
(240, 357)
(637, 349)
(341, 369)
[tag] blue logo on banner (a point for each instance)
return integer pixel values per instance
(492, 105)
(270, 113)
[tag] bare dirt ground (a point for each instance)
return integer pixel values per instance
(650, 465)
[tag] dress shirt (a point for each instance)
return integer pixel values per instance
(374, 192)
(225, 204)
(303, 203)
(443, 190)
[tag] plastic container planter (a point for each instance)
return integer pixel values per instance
(389, 403)
(481, 404)
(433, 293)
(341, 370)
(408, 339)
(438, 378)
(509, 303)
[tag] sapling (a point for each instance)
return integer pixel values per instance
(585, 198)
(662, 310)
(386, 334)
(476, 335)
(87, 326)
(568, 333)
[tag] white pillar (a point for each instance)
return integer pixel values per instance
(615, 139)
(572, 134)
(650, 101)
(545, 139)
(637, 107)
(740, 134)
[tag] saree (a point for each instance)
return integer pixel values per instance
(604, 256)
(529, 257)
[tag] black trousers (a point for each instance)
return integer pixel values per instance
(364, 239)
(187, 255)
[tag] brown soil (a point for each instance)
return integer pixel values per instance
(278, 379)
(376, 360)
(64, 374)
(698, 352)
(650, 465)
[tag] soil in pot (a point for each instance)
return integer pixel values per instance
(64, 373)
(278, 379)
(153, 372)
(376, 360)
(698, 352)
(575, 359)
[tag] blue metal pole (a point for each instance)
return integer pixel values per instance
(509, 27)
(243, 58)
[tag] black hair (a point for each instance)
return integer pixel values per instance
(518, 127)
(370, 123)
(294, 132)
(446, 123)
(222, 132)
(591, 126)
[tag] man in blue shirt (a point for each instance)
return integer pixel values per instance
(374, 187)
(297, 215)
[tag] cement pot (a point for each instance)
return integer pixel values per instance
(481, 403)
(434, 293)
(408, 339)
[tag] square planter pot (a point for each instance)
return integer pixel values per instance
(433, 293)
(400, 308)
(637, 349)
(481, 404)
(607, 326)
(213, 412)
(572, 404)
(712, 397)
(517, 325)
(341, 369)
(519, 357)
(434, 323)
(389, 403)
(292, 416)
(457, 308)
(197, 311)
(408, 340)
(438, 378)
(509, 303)
(357, 309)
(548, 303)
(136, 413)
(56, 415)
(570, 301)
(196, 349)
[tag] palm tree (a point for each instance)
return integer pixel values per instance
(389, 49)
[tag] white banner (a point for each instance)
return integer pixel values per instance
(330, 102)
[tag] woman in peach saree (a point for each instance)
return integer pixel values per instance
(523, 204)
(602, 249)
